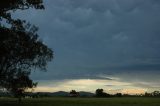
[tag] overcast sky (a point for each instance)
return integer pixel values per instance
(112, 44)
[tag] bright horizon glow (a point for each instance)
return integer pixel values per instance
(89, 85)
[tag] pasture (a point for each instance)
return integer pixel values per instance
(54, 101)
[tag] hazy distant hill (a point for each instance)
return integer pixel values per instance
(59, 93)
(63, 93)
(86, 94)
(50, 94)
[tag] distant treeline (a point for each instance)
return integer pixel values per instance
(101, 93)
(73, 93)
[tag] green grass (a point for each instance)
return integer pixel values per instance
(82, 102)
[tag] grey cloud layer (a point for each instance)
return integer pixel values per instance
(92, 37)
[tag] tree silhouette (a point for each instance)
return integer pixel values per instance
(152, 94)
(156, 93)
(21, 50)
(73, 93)
(118, 94)
(101, 93)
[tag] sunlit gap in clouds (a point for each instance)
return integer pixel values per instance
(90, 85)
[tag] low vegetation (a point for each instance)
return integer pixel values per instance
(69, 101)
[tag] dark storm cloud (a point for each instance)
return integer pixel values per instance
(94, 37)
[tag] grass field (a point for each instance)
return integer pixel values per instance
(82, 102)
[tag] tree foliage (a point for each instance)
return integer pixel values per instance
(74, 93)
(21, 50)
(101, 93)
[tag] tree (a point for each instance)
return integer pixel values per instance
(21, 50)
(9, 6)
(100, 93)
(147, 94)
(156, 93)
(73, 93)
(118, 94)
